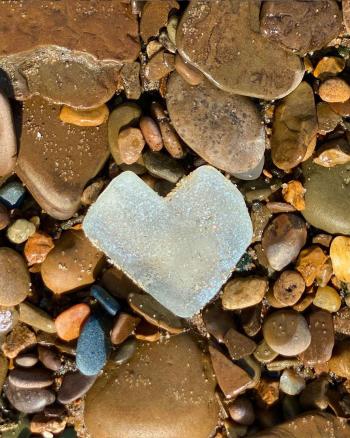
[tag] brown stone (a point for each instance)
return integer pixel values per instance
(4, 217)
(8, 143)
(260, 216)
(155, 16)
(340, 360)
(202, 116)
(232, 379)
(217, 321)
(93, 117)
(334, 90)
(69, 322)
(240, 293)
(130, 76)
(41, 423)
(294, 127)
(283, 239)
(238, 345)
(322, 339)
(147, 332)
(341, 321)
(37, 247)
(159, 66)
(131, 143)
(123, 327)
(328, 119)
(187, 71)
(119, 284)
(300, 26)
(310, 262)
(171, 139)
(19, 339)
(72, 264)
(340, 256)
(240, 62)
(341, 108)
(175, 375)
(289, 287)
(333, 153)
(268, 391)
(151, 133)
(56, 160)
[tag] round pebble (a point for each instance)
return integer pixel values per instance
(334, 90)
(291, 383)
(69, 323)
(14, 278)
(29, 401)
(287, 332)
(131, 144)
(329, 66)
(171, 140)
(327, 298)
(151, 133)
(240, 293)
(20, 231)
(264, 353)
(289, 287)
(242, 411)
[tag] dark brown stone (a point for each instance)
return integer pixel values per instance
(154, 16)
(289, 287)
(238, 345)
(74, 385)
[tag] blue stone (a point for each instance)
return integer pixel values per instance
(105, 299)
(93, 345)
(12, 194)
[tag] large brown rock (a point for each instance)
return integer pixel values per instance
(56, 159)
(166, 391)
(222, 39)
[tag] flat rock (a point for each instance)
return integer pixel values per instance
(226, 130)
(327, 197)
(294, 127)
(56, 160)
(166, 389)
(300, 26)
(240, 61)
(72, 264)
(8, 143)
(30, 378)
(36, 317)
(200, 242)
(14, 278)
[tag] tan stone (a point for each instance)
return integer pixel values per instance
(328, 119)
(340, 360)
(334, 90)
(310, 263)
(333, 153)
(293, 192)
(240, 293)
(327, 298)
(93, 117)
(131, 144)
(20, 338)
(154, 16)
(340, 256)
(329, 66)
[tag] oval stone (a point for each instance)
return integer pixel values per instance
(74, 385)
(30, 378)
(29, 401)
(166, 389)
(14, 278)
(8, 143)
(224, 129)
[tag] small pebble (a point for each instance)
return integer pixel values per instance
(333, 153)
(8, 319)
(106, 300)
(240, 293)
(289, 287)
(310, 263)
(340, 360)
(171, 140)
(4, 217)
(314, 396)
(264, 353)
(151, 133)
(238, 345)
(217, 321)
(286, 332)
(329, 66)
(30, 378)
(123, 327)
(242, 411)
(291, 383)
(49, 357)
(334, 90)
(159, 66)
(37, 247)
(69, 323)
(93, 117)
(42, 425)
(340, 256)
(327, 118)
(124, 352)
(29, 401)
(92, 191)
(26, 360)
(20, 231)
(18, 340)
(162, 166)
(36, 318)
(131, 144)
(74, 385)
(12, 194)
(293, 192)
(327, 298)
(189, 73)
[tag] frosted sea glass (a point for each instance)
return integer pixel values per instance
(180, 249)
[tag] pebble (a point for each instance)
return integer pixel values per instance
(152, 374)
(240, 293)
(155, 16)
(4, 217)
(289, 287)
(327, 198)
(340, 257)
(20, 231)
(327, 298)
(238, 345)
(123, 327)
(334, 90)
(260, 216)
(340, 360)
(162, 166)
(72, 264)
(56, 160)
(171, 139)
(14, 278)
(19, 339)
(202, 116)
(155, 313)
(131, 144)
(12, 194)
(333, 153)
(29, 401)
(267, 391)
(74, 385)
(159, 66)
(251, 319)
(93, 346)
(217, 321)
(241, 411)
(3, 369)
(42, 425)
(26, 360)
(283, 239)
(151, 133)
(188, 73)
(341, 108)
(36, 318)
(93, 117)
(30, 378)
(294, 127)
(293, 193)
(291, 383)
(286, 332)
(300, 27)
(264, 353)
(232, 63)
(327, 118)
(124, 352)
(322, 339)
(37, 247)
(130, 75)
(69, 322)
(329, 66)
(122, 116)
(50, 358)
(8, 140)
(342, 321)
(92, 192)
(109, 303)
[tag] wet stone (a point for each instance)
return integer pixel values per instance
(36, 317)
(155, 16)
(8, 143)
(283, 239)
(180, 287)
(31, 378)
(341, 321)
(240, 293)
(43, 425)
(286, 332)
(294, 127)
(217, 321)
(327, 298)
(340, 256)
(56, 160)
(124, 352)
(224, 129)
(12, 194)
(334, 90)
(160, 65)
(94, 117)
(242, 411)
(72, 264)
(188, 73)
(162, 166)
(260, 216)
(20, 231)
(29, 401)
(69, 322)
(327, 118)
(291, 383)
(109, 303)
(130, 144)
(26, 360)
(49, 357)
(152, 374)
(329, 66)
(130, 76)
(123, 327)
(4, 217)
(340, 360)
(151, 133)
(74, 385)
(264, 353)
(300, 26)
(310, 263)
(238, 345)
(243, 62)
(333, 153)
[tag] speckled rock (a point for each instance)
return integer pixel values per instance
(19, 339)
(56, 160)
(327, 197)
(224, 129)
(123, 408)
(240, 293)
(241, 62)
(72, 264)
(8, 143)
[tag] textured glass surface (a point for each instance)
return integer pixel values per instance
(180, 249)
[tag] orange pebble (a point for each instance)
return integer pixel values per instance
(69, 323)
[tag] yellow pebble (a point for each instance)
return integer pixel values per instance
(334, 90)
(93, 117)
(340, 256)
(327, 298)
(329, 66)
